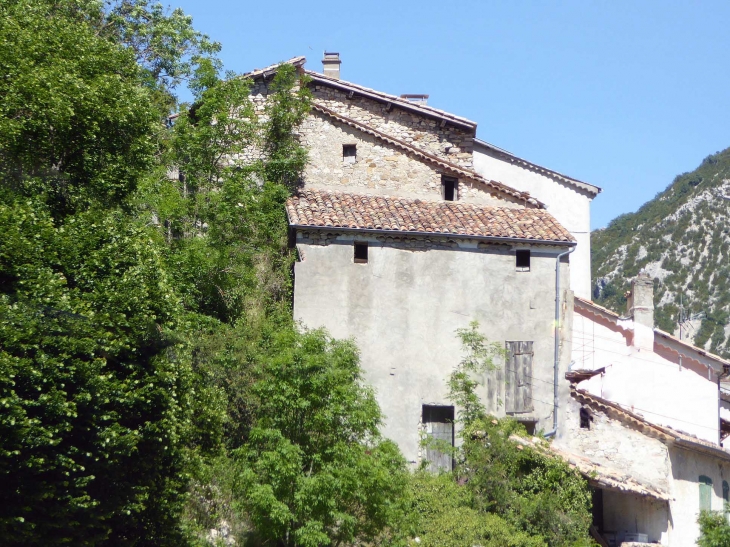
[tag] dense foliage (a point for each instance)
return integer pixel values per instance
(154, 387)
(682, 239)
(97, 392)
(501, 492)
(714, 529)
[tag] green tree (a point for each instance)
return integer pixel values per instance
(714, 529)
(502, 486)
(101, 407)
(315, 470)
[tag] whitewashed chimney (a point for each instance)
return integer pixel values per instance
(331, 65)
(640, 304)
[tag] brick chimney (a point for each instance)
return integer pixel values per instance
(331, 65)
(640, 303)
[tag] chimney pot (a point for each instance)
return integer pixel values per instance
(331, 64)
(640, 304)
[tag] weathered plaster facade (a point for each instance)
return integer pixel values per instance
(667, 393)
(404, 306)
(568, 200)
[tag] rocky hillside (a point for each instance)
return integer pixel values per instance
(682, 239)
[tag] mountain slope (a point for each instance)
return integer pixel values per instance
(682, 239)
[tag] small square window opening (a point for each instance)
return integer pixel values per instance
(585, 419)
(522, 261)
(349, 153)
(361, 253)
(449, 188)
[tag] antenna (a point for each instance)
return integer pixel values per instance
(686, 318)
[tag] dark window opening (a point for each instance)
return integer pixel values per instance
(439, 424)
(522, 261)
(450, 188)
(597, 512)
(585, 419)
(349, 153)
(361, 253)
(529, 424)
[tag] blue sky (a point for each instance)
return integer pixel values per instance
(624, 95)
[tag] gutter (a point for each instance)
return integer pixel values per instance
(557, 342)
(440, 234)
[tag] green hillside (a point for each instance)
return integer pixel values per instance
(682, 239)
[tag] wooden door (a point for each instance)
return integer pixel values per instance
(439, 425)
(518, 377)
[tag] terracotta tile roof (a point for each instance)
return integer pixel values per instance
(322, 209)
(271, 69)
(666, 434)
(594, 308)
(598, 475)
(425, 156)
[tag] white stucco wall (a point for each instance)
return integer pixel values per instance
(687, 466)
(650, 383)
(570, 206)
(403, 308)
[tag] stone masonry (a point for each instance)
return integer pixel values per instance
(448, 142)
(379, 167)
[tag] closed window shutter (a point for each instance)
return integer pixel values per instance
(705, 493)
(518, 377)
(439, 425)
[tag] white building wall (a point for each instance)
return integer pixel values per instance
(687, 466)
(403, 309)
(649, 383)
(569, 205)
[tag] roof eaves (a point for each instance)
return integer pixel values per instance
(590, 188)
(453, 168)
(271, 69)
(449, 235)
(690, 347)
(596, 474)
(393, 99)
(666, 434)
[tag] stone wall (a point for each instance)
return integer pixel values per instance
(611, 443)
(379, 167)
(448, 142)
(403, 308)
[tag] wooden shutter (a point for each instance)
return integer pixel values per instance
(518, 377)
(705, 493)
(439, 423)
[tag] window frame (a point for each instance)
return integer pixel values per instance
(349, 158)
(521, 253)
(449, 185)
(359, 245)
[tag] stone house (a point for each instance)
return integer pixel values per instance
(648, 408)
(408, 227)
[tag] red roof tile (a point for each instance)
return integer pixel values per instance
(318, 208)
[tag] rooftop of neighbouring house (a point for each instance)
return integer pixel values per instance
(664, 338)
(324, 209)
